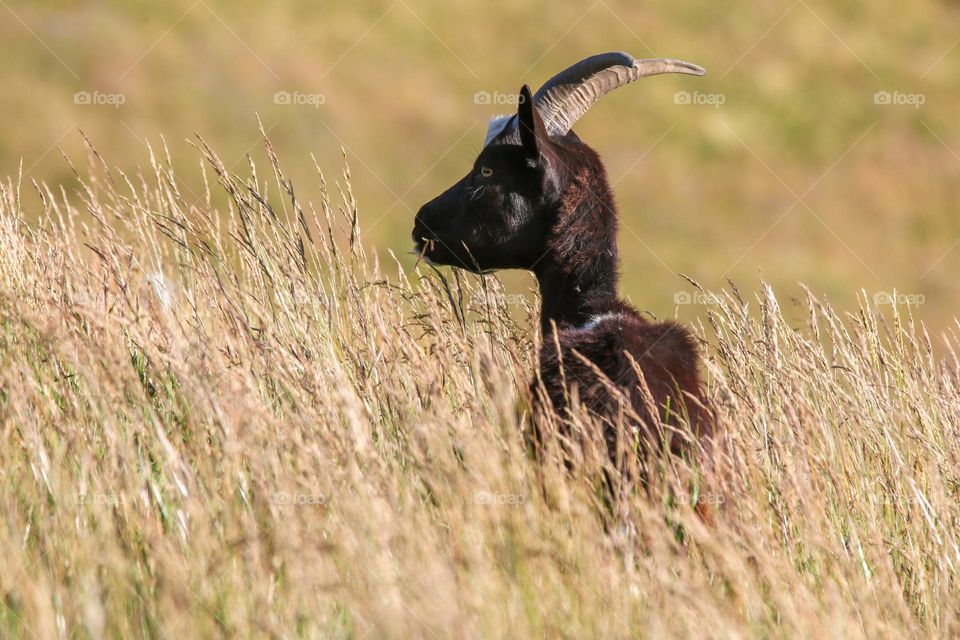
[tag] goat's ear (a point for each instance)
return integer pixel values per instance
(533, 135)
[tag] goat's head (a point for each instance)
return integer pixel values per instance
(500, 215)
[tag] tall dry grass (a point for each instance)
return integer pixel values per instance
(236, 423)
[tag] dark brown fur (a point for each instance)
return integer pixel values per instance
(545, 205)
(609, 354)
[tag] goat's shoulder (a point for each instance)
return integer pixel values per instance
(623, 346)
(616, 339)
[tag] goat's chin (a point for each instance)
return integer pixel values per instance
(459, 264)
(423, 252)
(436, 257)
(479, 272)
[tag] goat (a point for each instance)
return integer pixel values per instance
(537, 198)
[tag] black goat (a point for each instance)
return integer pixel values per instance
(538, 199)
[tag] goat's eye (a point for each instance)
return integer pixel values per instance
(486, 172)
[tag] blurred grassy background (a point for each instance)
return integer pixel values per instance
(799, 175)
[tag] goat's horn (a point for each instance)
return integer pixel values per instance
(567, 96)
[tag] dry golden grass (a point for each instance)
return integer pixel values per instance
(236, 423)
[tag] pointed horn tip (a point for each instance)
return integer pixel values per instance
(674, 66)
(679, 66)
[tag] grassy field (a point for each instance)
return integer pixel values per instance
(231, 406)
(221, 422)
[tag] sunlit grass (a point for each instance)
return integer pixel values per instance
(239, 421)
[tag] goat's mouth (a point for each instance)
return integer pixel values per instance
(422, 248)
(436, 253)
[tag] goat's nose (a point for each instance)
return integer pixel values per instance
(421, 224)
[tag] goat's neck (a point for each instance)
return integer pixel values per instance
(578, 276)
(571, 301)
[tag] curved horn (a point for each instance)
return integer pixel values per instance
(567, 96)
